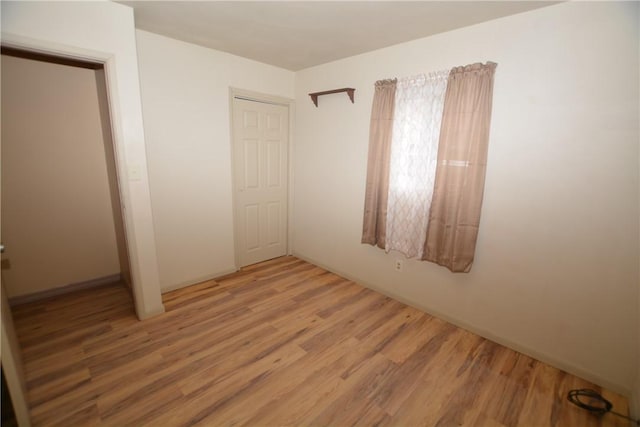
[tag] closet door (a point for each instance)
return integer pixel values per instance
(260, 147)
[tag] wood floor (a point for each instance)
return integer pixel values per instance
(279, 343)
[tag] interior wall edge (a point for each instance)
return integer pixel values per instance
(12, 365)
(21, 406)
(564, 365)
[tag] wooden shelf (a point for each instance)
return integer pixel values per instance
(350, 91)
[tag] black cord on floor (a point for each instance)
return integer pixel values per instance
(593, 402)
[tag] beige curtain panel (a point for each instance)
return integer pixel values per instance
(376, 193)
(460, 172)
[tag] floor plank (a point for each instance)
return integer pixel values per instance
(282, 342)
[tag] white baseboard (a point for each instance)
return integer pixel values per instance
(74, 287)
(147, 315)
(545, 358)
(199, 280)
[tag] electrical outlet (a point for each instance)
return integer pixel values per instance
(399, 265)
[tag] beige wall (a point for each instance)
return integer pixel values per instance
(556, 272)
(185, 101)
(58, 216)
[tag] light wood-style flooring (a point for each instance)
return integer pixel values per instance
(279, 343)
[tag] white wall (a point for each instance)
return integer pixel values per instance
(104, 31)
(185, 100)
(556, 270)
(57, 211)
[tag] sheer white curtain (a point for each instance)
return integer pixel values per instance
(419, 103)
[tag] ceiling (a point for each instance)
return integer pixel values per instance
(300, 34)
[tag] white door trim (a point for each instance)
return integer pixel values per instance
(147, 303)
(269, 99)
(147, 296)
(12, 363)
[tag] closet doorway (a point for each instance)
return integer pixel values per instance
(61, 213)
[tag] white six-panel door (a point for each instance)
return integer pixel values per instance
(260, 147)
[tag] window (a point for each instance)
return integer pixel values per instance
(428, 146)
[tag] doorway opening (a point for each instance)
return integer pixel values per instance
(62, 220)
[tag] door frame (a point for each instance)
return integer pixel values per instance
(12, 363)
(146, 296)
(249, 95)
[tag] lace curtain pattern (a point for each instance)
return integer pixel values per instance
(419, 102)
